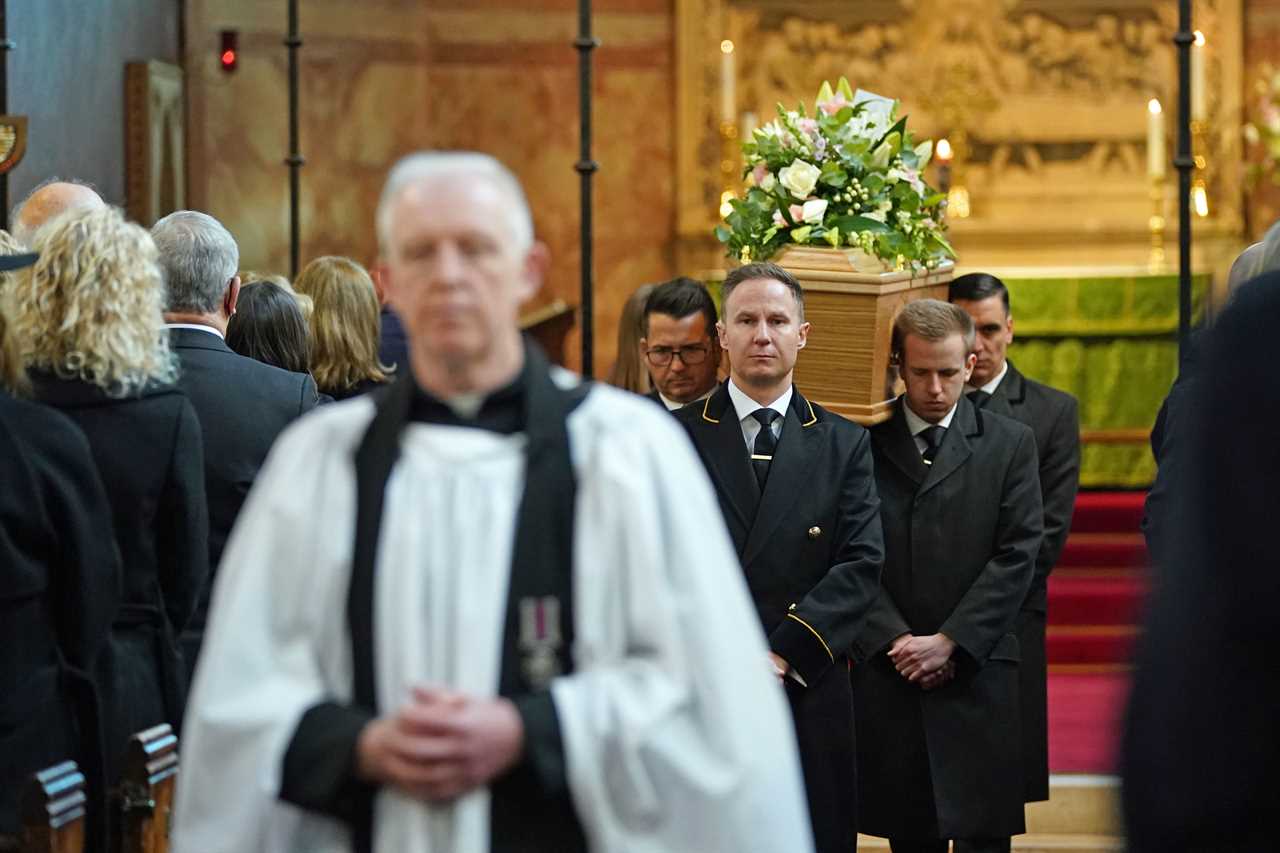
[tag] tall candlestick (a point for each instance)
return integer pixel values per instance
(727, 111)
(1199, 94)
(747, 126)
(1155, 139)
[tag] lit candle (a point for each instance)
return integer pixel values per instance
(1155, 139)
(1199, 102)
(944, 154)
(747, 126)
(727, 99)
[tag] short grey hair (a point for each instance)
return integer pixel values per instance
(424, 165)
(198, 258)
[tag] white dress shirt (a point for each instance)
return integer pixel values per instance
(917, 424)
(991, 386)
(744, 406)
(672, 405)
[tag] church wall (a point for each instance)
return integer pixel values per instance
(66, 75)
(383, 78)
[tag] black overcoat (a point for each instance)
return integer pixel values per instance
(59, 589)
(811, 550)
(242, 405)
(961, 538)
(148, 451)
(1054, 418)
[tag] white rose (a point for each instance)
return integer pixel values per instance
(769, 182)
(813, 211)
(799, 178)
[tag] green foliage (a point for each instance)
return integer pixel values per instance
(868, 171)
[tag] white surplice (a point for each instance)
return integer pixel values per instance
(676, 735)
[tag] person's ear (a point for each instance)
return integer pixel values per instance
(1009, 327)
(968, 366)
(378, 273)
(804, 334)
(536, 263)
(232, 296)
(720, 332)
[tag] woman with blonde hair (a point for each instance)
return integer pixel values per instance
(344, 327)
(88, 320)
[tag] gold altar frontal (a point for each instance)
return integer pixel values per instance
(845, 364)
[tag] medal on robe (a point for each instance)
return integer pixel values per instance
(540, 640)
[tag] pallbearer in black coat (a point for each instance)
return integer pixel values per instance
(797, 490)
(935, 678)
(1053, 415)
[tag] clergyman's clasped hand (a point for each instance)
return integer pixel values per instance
(441, 744)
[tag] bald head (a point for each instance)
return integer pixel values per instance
(47, 202)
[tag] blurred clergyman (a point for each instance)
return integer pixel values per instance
(564, 657)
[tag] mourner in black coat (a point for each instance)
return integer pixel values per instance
(679, 342)
(242, 406)
(59, 590)
(148, 452)
(1054, 418)
(809, 540)
(1201, 739)
(935, 678)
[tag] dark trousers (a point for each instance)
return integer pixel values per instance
(970, 845)
(823, 714)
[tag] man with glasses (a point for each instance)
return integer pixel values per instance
(679, 343)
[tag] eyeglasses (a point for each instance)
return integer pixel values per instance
(690, 355)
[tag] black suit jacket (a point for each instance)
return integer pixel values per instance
(242, 405)
(811, 545)
(961, 538)
(1054, 418)
(59, 590)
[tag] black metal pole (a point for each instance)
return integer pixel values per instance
(5, 47)
(294, 161)
(1184, 163)
(586, 168)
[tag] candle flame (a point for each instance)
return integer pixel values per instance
(726, 46)
(1153, 106)
(1199, 39)
(1200, 200)
(944, 151)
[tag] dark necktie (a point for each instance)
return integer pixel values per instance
(933, 438)
(766, 444)
(978, 397)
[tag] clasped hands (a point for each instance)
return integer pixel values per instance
(441, 744)
(924, 661)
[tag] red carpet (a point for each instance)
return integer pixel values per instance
(1095, 599)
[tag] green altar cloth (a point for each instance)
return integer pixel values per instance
(1110, 338)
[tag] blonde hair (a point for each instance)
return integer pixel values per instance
(91, 307)
(628, 370)
(12, 377)
(931, 320)
(344, 323)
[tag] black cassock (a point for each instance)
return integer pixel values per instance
(811, 550)
(961, 538)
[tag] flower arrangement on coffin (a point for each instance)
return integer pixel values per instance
(849, 176)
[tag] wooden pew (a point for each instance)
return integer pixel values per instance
(53, 807)
(144, 798)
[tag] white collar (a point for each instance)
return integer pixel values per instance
(210, 329)
(672, 405)
(744, 405)
(991, 386)
(917, 424)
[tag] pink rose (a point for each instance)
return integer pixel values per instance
(835, 105)
(808, 126)
(797, 212)
(758, 173)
